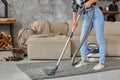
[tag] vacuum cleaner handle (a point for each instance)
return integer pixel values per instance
(50, 72)
(80, 12)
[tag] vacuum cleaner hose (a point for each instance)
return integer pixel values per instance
(73, 62)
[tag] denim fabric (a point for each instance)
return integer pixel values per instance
(98, 25)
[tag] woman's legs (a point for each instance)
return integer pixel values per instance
(83, 49)
(98, 23)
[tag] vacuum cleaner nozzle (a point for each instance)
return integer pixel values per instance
(50, 72)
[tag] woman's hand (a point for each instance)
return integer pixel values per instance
(74, 23)
(88, 4)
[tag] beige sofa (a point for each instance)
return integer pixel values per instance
(50, 47)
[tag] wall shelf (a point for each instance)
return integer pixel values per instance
(108, 10)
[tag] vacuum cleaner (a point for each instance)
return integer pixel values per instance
(81, 11)
(93, 50)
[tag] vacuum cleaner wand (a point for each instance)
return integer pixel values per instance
(50, 72)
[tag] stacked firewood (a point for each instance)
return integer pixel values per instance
(5, 41)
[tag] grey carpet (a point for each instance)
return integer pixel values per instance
(35, 70)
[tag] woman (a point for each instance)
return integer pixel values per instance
(98, 25)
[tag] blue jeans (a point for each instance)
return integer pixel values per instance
(98, 25)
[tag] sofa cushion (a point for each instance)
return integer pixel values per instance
(48, 47)
(40, 27)
(59, 28)
(113, 45)
(77, 31)
(112, 29)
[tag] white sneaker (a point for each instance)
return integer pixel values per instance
(81, 63)
(91, 55)
(98, 66)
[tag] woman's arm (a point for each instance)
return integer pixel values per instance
(93, 1)
(74, 13)
(74, 23)
(88, 4)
